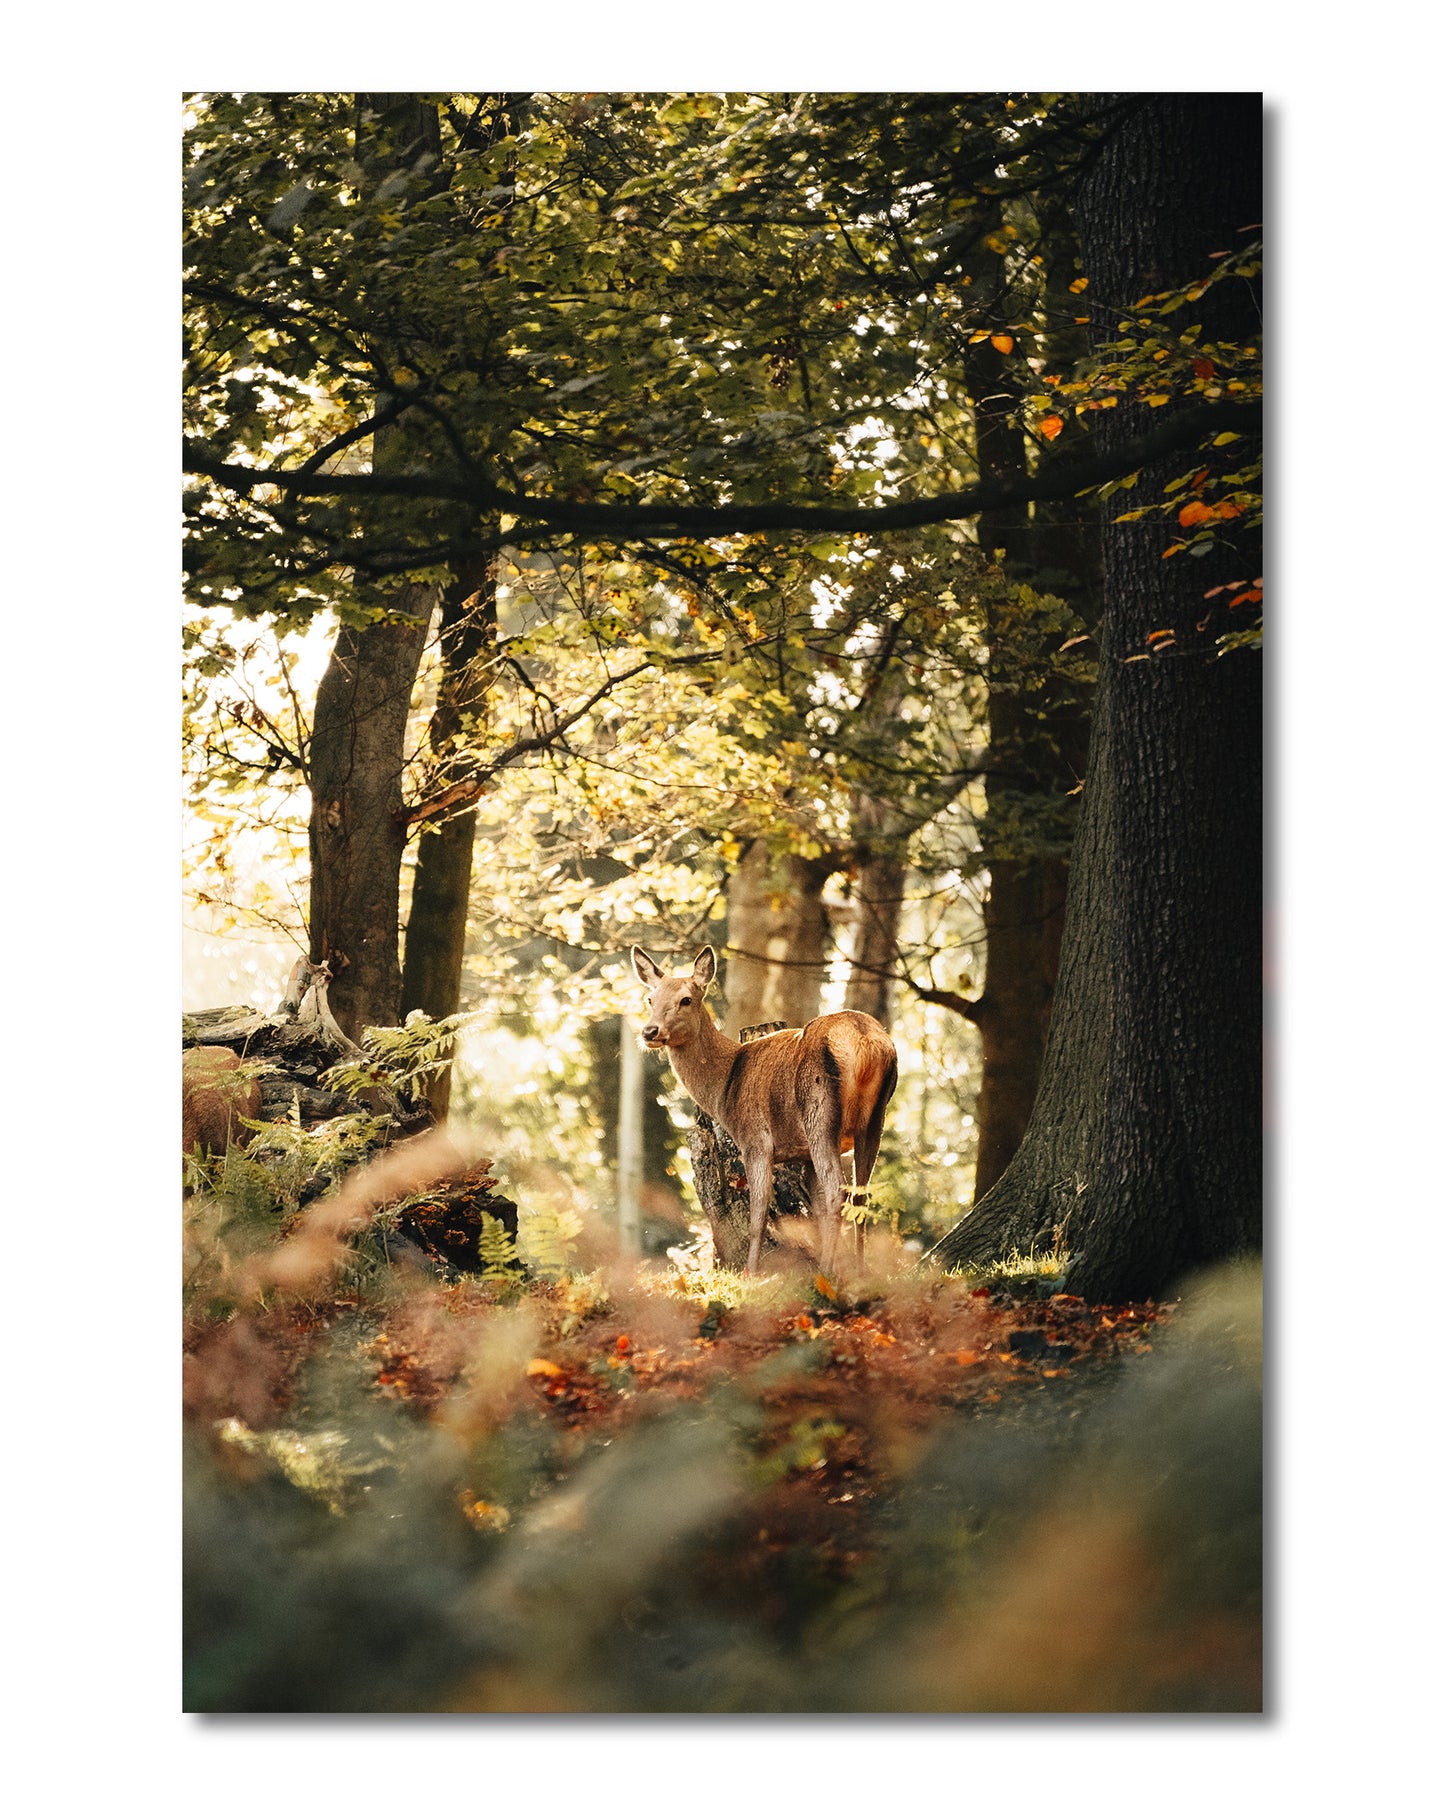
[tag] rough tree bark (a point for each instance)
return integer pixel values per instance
(436, 926)
(1144, 1149)
(777, 940)
(357, 831)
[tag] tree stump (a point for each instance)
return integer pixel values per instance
(721, 1183)
(299, 1042)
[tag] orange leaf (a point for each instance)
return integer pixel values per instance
(543, 1369)
(1002, 342)
(1194, 513)
(823, 1288)
(1051, 426)
(969, 1357)
(1250, 595)
(1170, 553)
(1227, 510)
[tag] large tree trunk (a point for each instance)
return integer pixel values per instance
(357, 754)
(1144, 1148)
(777, 940)
(436, 928)
(358, 832)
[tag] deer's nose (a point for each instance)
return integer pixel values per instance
(651, 1031)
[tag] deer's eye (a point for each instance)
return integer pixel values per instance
(685, 1003)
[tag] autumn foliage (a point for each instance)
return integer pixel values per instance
(661, 1488)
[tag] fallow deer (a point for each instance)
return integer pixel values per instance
(805, 1093)
(216, 1091)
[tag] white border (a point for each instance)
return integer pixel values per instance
(92, 920)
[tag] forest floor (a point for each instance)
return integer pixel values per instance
(655, 1486)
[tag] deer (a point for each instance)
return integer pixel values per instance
(809, 1093)
(216, 1091)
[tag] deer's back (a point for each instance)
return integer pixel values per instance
(848, 1052)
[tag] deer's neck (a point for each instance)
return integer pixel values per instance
(704, 1066)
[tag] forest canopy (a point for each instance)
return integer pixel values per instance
(703, 504)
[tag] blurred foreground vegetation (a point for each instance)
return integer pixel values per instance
(569, 1485)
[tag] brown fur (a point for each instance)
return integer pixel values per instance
(214, 1094)
(812, 1093)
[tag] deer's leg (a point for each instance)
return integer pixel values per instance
(820, 1104)
(827, 1200)
(857, 1194)
(760, 1196)
(865, 1149)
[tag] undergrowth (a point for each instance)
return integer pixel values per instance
(557, 1486)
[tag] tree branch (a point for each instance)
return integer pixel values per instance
(616, 521)
(469, 788)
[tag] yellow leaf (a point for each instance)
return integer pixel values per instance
(543, 1369)
(1077, 288)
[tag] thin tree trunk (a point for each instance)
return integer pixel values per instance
(1144, 1150)
(878, 898)
(660, 1141)
(777, 940)
(1035, 753)
(436, 929)
(1012, 1013)
(357, 754)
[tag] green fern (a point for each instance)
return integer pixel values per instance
(401, 1059)
(546, 1238)
(496, 1249)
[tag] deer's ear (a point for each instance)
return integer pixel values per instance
(704, 967)
(647, 970)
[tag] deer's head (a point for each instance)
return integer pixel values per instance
(677, 1001)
